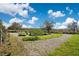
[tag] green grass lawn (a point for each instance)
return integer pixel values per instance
(69, 48)
(43, 37)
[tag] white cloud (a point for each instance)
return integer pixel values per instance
(24, 26)
(17, 20)
(13, 9)
(33, 20)
(65, 24)
(32, 9)
(67, 8)
(69, 20)
(50, 11)
(55, 14)
(58, 14)
(70, 10)
(63, 27)
(23, 13)
(60, 26)
(6, 24)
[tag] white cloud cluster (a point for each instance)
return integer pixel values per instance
(23, 13)
(69, 20)
(67, 8)
(55, 14)
(24, 26)
(21, 9)
(50, 11)
(70, 10)
(60, 26)
(6, 24)
(33, 20)
(13, 9)
(17, 20)
(64, 24)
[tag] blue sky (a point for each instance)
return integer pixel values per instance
(33, 15)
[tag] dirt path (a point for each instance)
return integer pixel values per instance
(43, 47)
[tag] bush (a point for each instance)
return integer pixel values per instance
(30, 38)
(43, 37)
(26, 32)
(36, 32)
(22, 34)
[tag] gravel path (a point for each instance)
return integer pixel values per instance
(43, 47)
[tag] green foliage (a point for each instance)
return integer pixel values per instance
(30, 38)
(73, 27)
(48, 26)
(69, 48)
(44, 37)
(49, 36)
(35, 32)
(22, 34)
(15, 26)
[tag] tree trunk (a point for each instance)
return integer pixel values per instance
(1, 37)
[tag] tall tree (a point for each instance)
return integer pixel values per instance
(15, 26)
(48, 26)
(73, 27)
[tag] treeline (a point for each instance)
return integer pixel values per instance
(48, 28)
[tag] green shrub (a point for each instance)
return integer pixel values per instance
(30, 38)
(26, 32)
(36, 32)
(22, 34)
(43, 37)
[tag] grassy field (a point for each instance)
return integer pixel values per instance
(69, 48)
(43, 37)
